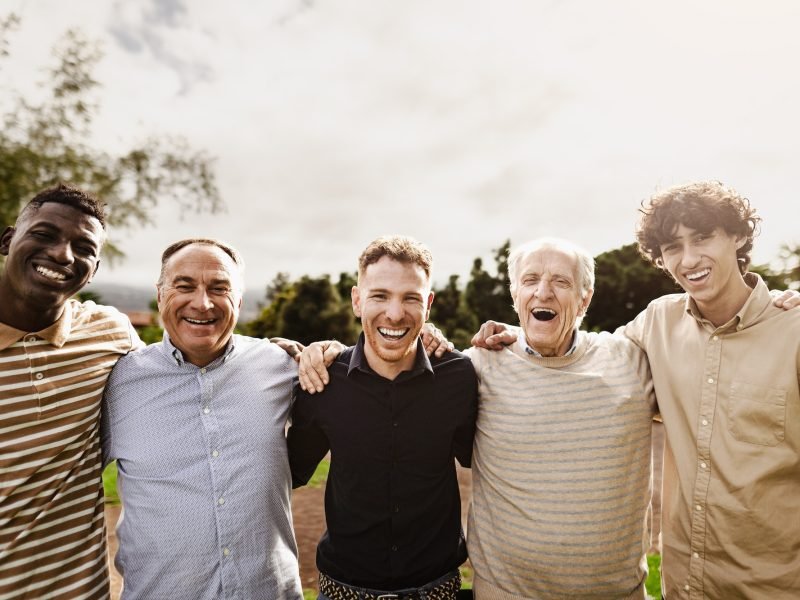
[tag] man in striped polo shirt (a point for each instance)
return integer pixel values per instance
(55, 356)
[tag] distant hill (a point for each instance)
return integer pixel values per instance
(129, 298)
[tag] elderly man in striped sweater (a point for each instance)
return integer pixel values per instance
(562, 468)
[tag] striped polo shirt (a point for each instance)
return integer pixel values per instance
(52, 532)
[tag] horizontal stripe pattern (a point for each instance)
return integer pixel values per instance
(52, 531)
(562, 471)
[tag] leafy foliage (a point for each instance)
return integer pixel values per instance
(44, 143)
(307, 310)
(487, 296)
(625, 283)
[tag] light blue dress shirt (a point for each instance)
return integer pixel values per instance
(203, 473)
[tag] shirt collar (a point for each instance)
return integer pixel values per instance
(358, 359)
(523, 344)
(754, 306)
(57, 333)
(175, 354)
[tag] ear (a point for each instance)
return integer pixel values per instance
(5, 239)
(158, 296)
(428, 306)
(585, 303)
(740, 241)
(94, 272)
(355, 298)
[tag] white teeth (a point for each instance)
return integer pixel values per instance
(392, 332)
(50, 274)
(199, 321)
(544, 310)
(698, 274)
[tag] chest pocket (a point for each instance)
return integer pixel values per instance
(757, 414)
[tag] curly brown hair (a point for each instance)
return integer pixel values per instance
(702, 206)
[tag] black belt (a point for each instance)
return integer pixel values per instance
(444, 588)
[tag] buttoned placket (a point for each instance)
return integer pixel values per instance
(37, 363)
(702, 480)
(394, 435)
(208, 415)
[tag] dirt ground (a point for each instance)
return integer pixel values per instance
(309, 518)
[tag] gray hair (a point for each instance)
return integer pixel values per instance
(181, 244)
(584, 261)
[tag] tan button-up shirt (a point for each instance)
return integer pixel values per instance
(730, 404)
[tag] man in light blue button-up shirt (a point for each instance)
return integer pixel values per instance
(196, 424)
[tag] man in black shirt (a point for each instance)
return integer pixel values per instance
(393, 420)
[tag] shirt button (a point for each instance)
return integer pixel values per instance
(686, 587)
(714, 338)
(394, 424)
(215, 453)
(226, 551)
(698, 507)
(397, 509)
(30, 338)
(39, 376)
(206, 410)
(710, 380)
(704, 422)
(703, 465)
(203, 370)
(696, 555)
(394, 548)
(221, 501)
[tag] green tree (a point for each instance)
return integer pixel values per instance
(624, 284)
(487, 296)
(310, 309)
(452, 315)
(44, 143)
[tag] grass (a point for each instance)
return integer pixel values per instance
(110, 483)
(653, 582)
(320, 476)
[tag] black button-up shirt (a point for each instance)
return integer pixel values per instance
(392, 503)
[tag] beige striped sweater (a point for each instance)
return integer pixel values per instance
(52, 535)
(562, 472)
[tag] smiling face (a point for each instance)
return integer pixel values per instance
(548, 300)
(199, 300)
(705, 266)
(393, 300)
(52, 253)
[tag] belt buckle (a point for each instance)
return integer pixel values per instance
(387, 596)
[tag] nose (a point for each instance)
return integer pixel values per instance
(394, 310)
(689, 256)
(544, 289)
(201, 300)
(62, 253)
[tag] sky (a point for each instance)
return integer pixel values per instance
(462, 123)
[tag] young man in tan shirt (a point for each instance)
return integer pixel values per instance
(725, 364)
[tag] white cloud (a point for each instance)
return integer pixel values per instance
(460, 122)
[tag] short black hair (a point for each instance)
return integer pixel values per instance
(70, 196)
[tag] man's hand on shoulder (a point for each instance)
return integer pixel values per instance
(494, 336)
(788, 299)
(314, 362)
(434, 341)
(292, 348)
